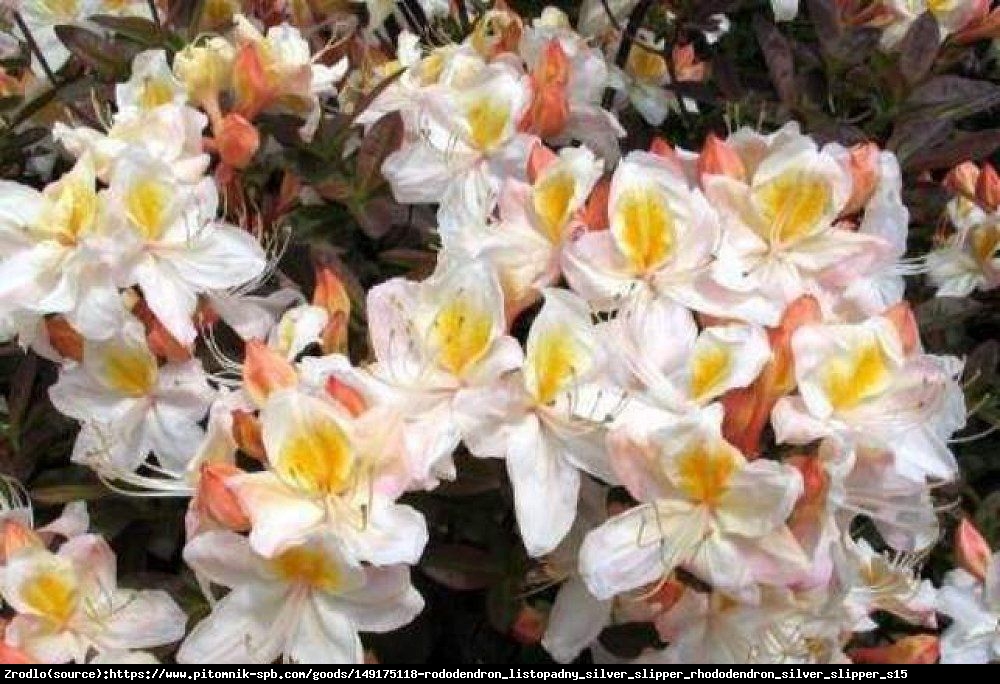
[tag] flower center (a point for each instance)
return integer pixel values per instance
(852, 378)
(309, 567)
(317, 458)
(461, 334)
(705, 471)
(792, 206)
(644, 228)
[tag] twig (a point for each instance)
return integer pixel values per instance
(35, 50)
(49, 74)
(634, 22)
(611, 16)
(463, 16)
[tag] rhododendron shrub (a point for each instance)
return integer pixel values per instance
(452, 332)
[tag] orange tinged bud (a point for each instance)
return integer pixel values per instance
(919, 649)
(331, 295)
(529, 626)
(748, 409)
(984, 27)
(64, 337)
(902, 318)
(972, 553)
(237, 141)
(548, 112)
(217, 501)
(863, 164)
(265, 371)
(553, 68)
(988, 188)
(686, 64)
(803, 311)
(540, 158)
(719, 159)
(247, 435)
(661, 148)
(346, 396)
(594, 214)
(14, 537)
(250, 82)
(962, 179)
(161, 342)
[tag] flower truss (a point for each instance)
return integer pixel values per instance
(696, 368)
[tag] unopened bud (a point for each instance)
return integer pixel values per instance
(863, 162)
(962, 179)
(237, 140)
(717, 158)
(217, 501)
(266, 371)
(15, 537)
(919, 649)
(972, 553)
(988, 188)
(64, 338)
(247, 435)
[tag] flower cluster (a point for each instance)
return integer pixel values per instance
(697, 367)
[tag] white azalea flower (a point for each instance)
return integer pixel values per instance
(305, 605)
(703, 508)
(172, 245)
(130, 405)
(541, 420)
(69, 604)
(856, 383)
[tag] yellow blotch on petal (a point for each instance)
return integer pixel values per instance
(317, 457)
(710, 366)
(132, 371)
(487, 118)
(155, 92)
(854, 377)
(461, 333)
(310, 567)
(645, 228)
(938, 7)
(985, 243)
(556, 361)
(646, 65)
(792, 206)
(552, 199)
(146, 206)
(51, 593)
(74, 211)
(705, 471)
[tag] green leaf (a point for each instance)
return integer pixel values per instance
(778, 56)
(107, 57)
(383, 139)
(951, 97)
(919, 48)
(959, 148)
